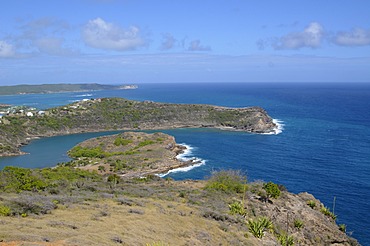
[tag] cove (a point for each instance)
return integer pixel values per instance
(47, 152)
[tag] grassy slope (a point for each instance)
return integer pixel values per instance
(94, 211)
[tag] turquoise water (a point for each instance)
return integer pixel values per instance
(324, 148)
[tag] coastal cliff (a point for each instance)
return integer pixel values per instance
(17, 128)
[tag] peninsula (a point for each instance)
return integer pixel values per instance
(57, 88)
(129, 154)
(18, 128)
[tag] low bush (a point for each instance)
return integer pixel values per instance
(237, 208)
(121, 141)
(343, 227)
(285, 239)
(298, 223)
(272, 189)
(32, 204)
(227, 181)
(145, 143)
(258, 226)
(311, 203)
(4, 210)
(326, 211)
(17, 179)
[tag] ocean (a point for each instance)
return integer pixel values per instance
(323, 148)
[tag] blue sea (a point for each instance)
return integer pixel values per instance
(324, 147)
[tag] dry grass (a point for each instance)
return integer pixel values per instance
(106, 222)
(164, 212)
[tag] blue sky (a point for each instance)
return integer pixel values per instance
(145, 41)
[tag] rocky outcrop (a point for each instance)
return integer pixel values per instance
(130, 154)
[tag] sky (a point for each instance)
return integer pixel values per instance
(163, 41)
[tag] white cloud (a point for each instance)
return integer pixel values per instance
(355, 37)
(52, 46)
(6, 50)
(195, 45)
(310, 37)
(168, 42)
(104, 35)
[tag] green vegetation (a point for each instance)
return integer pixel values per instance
(227, 181)
(326, 211)
(16, 179)
(20, 179)
(272, 190)
(121, 141)
(258, 226)
(78, 151)
(311, 204)
(237, 208)
(145, 143)
(343, 227)
(118, 113)
(298, 224)
(227, 217)
(4, 210)
(97, 152)
(285, 239)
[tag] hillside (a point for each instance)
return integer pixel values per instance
(53, 88)
(68, 206)
(17, 128)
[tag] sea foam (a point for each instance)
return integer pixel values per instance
(84, 95)
(278, 129)
(185, 156)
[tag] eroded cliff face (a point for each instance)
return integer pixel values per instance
(121, 114)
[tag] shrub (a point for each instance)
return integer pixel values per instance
(121, 141)
(113, 180)
(145, 143)
(298, 223)
(272, 189)
(22, 179)
(285, 239)
(79, 151)
(258, 226)
(34, 204)
(326, 211)
(311, 203)
(4, 210)
(227, 181)
(237, 208)
(343, 227)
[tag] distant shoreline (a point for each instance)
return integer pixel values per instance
(60, 88)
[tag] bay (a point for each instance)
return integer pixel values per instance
(324, 148)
